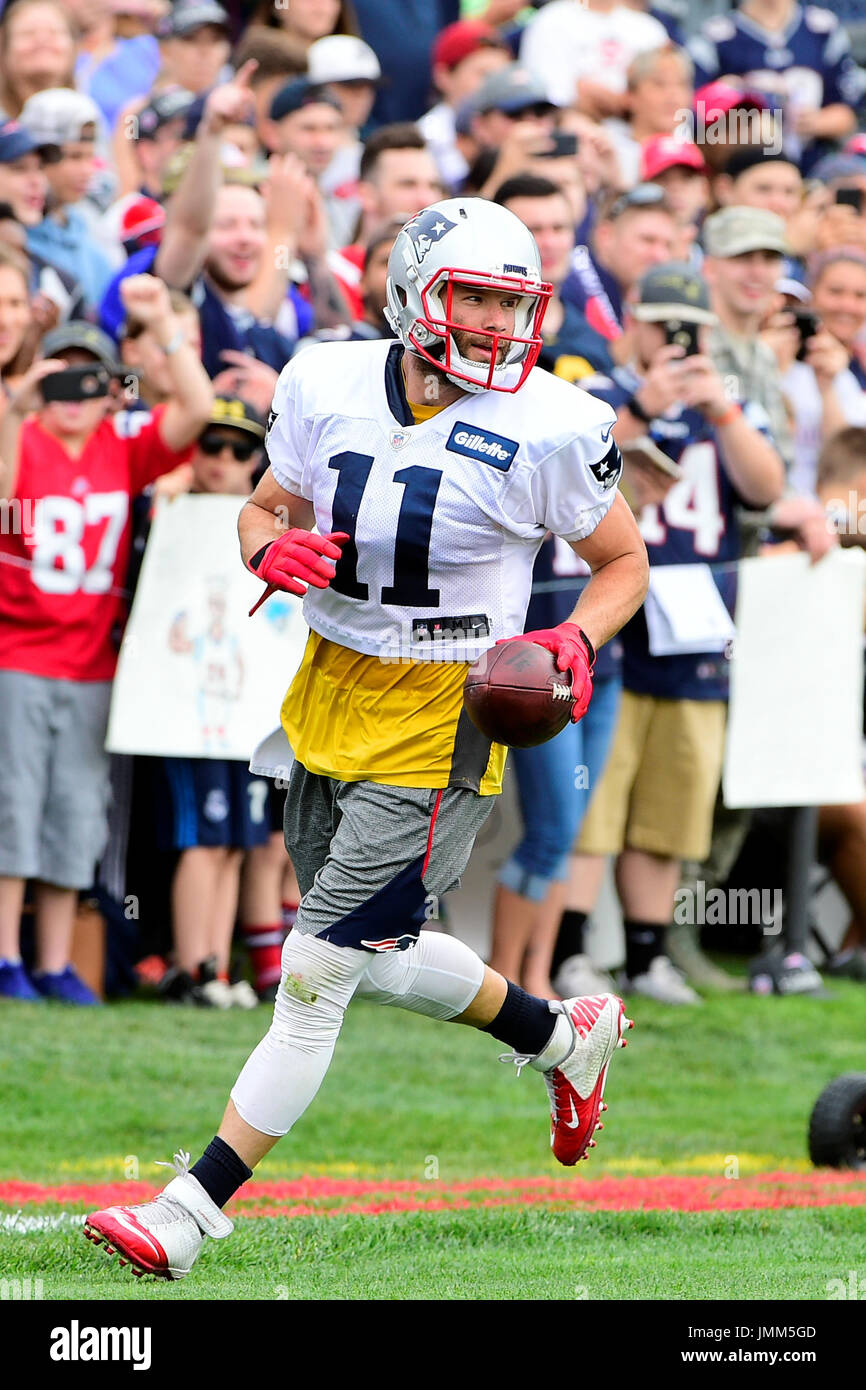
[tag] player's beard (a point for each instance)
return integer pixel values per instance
(463, 339)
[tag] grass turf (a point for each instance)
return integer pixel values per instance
(495, 1254)
(91, 1095)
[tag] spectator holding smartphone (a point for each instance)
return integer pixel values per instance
(822, 377)
(69, 477)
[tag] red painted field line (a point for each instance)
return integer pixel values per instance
(333, 1196)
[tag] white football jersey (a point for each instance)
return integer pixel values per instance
(445, 517)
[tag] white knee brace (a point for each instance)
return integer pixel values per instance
(438, 977)
(282, 1076)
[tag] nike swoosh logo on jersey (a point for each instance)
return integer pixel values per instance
(605, 437)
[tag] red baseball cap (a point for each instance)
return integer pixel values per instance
(718, 98)
(661, 152)
(457, 41)
(143, 222)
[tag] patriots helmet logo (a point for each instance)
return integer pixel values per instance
(426, 229)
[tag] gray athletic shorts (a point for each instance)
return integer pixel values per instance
(54, 778)
(372, 860)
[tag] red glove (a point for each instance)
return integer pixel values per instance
(572, 651)
(296, 556)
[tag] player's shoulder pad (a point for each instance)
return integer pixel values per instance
(819, 20)
(573, 421)
(312, 376)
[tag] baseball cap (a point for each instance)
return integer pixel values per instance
(142, 223)
(237, 413)
(457, 41)
(511, 89)
(173, 105)
(662, 152)
(643, 195)
(188, 15)
(58, 115)
(795, 289)
(748, 156)
(299, 92)
(673, 290)
(718, 98)
(77, 333)
(342, 58)
(735, 230)
(15, 142)
(839, 166)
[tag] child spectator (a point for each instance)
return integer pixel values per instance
(68, 477)
(65, 237)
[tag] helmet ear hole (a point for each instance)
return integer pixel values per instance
(402, 296)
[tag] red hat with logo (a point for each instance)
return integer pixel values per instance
(662, 152)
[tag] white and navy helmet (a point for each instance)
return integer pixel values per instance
(466, 241)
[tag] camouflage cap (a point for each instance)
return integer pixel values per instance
(735, 230)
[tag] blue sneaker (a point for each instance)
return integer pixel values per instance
(15, 982)
(65, 987)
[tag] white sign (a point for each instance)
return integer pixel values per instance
(796, 711)
(197, 677)
(685, 611)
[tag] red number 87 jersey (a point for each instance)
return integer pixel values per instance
(445, 517)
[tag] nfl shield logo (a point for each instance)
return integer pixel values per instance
(398, 438)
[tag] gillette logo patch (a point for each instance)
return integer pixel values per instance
(478, 444)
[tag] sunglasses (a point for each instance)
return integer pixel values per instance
(213, 444)
(643, 195)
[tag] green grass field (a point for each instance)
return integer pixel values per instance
(95, 1097)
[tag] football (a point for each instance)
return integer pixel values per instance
(515, 695)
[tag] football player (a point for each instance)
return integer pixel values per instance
(432, 468)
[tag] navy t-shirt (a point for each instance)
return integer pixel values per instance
(595, 292)
(695, 524)
(575, 340)
(401, 34)
(808, 64)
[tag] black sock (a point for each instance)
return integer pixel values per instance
(524, 1022)
(220, 1171)
(643, 942)
(570, 939)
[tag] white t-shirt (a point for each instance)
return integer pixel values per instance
(439, 130)
(446, 516)
(801, 392)
(566, 42)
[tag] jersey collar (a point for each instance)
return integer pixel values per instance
(395, 389)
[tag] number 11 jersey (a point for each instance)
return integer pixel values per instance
(445, 517)
(446, 509)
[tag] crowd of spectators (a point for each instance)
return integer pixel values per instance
(191, 193)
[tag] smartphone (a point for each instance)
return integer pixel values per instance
(853, 197)
(76, 383)
(685, 335)
(563, 142)
(807, 325)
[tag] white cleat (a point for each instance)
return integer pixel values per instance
(163, 1237)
